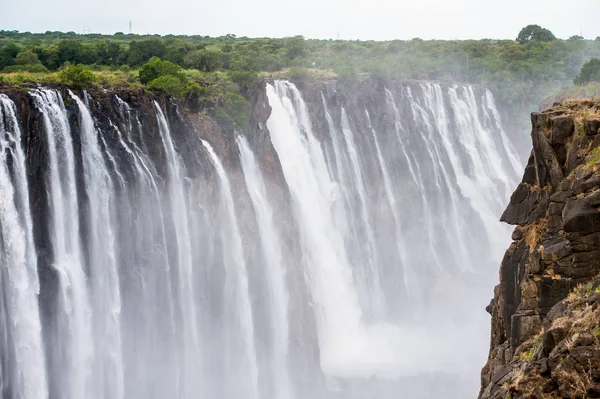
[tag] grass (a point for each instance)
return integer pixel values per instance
(533, 232)
(593, 158)
(308, 73)
(105, 78)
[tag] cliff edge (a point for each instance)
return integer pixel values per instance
(545, 340)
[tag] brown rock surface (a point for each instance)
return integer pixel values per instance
(545, 340)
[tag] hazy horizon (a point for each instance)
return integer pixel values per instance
(314, 19)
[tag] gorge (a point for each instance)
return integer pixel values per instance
(345, 245)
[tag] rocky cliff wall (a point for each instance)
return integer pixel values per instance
(545, 311)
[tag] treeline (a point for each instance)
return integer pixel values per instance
(520, 72)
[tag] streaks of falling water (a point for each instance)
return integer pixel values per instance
(71, 351)
(184, 257)
(102, 263)
(315, 181)
(242, 365)
(148, 324)
(349, 173)
(391, 198)
(22, 361)
(272, 249)
(310, 184)
(154, 296)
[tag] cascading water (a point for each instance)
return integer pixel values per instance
(22, 364)
(323, 255)
(70, 349)
(242, 365)
(101, 260)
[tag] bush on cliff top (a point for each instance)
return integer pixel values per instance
(78, 76)
(155, 68)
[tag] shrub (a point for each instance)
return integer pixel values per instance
(170, 84)
(244, 79)
(77, 76)
(298, 74)
(156, 68)
(25, 68)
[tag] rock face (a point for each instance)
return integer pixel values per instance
(545, 340)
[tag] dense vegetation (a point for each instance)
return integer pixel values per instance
(590, 72)
(216, 70)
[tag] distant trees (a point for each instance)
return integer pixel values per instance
(27, 57)
(590, 72)
(206, 60)
(519, 72)
(141, 51)
(535, 33)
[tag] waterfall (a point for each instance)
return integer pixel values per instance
(242, 365)
(71, 350)
(22, 360)
(312, 190)
(103, 274)
(428, 237)
(272, 249)
(344, 246)
(180, 213)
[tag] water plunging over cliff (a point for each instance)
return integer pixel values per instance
(349, 236)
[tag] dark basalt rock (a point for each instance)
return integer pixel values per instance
(579, 216)
(541, 333)
(591, 127)
(527, 205)
(562, 128)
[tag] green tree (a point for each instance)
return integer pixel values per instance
(156, 68)
(8, 54)
(142, 50)
(207, 60)
(78, 76)
(172, 85)
(590, 72)
(110, 52)
(27, 57)
(535, 33)
(244, 79)
(50, 56)
(295, 47)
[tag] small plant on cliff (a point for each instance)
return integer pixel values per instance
(526, 356)
(593, 158)
(77, 76)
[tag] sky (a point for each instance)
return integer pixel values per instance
(324, 19)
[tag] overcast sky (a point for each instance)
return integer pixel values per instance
(350, 19)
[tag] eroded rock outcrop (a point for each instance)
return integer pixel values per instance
(545, 339)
